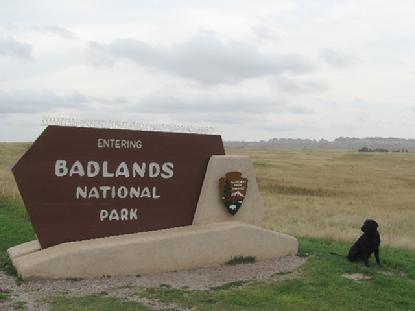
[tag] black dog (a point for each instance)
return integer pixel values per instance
(367, 244)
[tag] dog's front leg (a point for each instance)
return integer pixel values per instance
(377, 256)
(365, 256)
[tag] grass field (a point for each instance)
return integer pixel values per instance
(328, 194)
(9, 154)
(320, 197)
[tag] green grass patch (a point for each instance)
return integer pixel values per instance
(229, 285)
(19, 305)
(4, 294)
(93, 303)
(241, 260)
(321, 286)
(15, 228)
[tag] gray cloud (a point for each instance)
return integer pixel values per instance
(265, 33)
(217, 109)
(292, 86)
(283, 127)
(31, 102)
(297, 109)
(210, 104)
(205, 107)
(56, 30)
(338, 59)
(12, 47)
(202, 58)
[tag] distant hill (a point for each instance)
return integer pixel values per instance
(339, 143)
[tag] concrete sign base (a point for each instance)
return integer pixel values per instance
(152, 252)
(213, 239)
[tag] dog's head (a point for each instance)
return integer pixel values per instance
(370, 226)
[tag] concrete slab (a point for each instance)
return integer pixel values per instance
(23, 249)
(142, 253)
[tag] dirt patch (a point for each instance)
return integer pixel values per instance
(205, 278)
(393, 273)
(356, 277)
(33, 293)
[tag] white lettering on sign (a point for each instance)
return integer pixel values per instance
(115, 215)
(121, 170)
(119, 143)
(93, 169)
(112, 192)
(77, 169)
(60, 168)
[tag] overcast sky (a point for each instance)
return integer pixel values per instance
(251, 69)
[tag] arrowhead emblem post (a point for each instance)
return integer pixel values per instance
(232, 189)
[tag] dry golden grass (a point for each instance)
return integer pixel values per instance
(328, 194)
(9, 154)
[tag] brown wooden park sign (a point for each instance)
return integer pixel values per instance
(82, 183)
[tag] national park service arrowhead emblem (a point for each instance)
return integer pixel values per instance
(232, 189)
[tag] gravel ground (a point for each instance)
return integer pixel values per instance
(33, 293)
